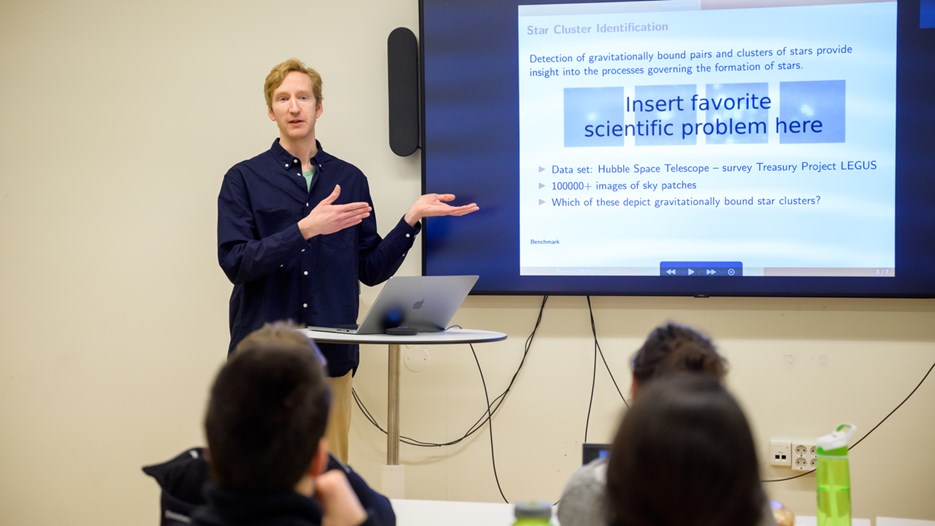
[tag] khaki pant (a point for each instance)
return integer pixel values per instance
(339, 419)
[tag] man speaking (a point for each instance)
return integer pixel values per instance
(297, 234)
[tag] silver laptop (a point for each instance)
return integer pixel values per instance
(410, 304)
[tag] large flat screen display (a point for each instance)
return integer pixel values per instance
(682, 147)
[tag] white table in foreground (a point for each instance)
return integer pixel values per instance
(811, 520)
(394, 481)
(411, 512)
(453, 513)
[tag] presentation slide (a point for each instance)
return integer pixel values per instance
(707, 137)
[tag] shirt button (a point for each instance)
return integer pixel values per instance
(305, 305)
(407, 235)
(295, 161)
(299, 174)
(305, 273)
(287, 165)
(280, 266)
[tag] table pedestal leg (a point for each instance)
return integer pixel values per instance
(394, 475)
(392, 409)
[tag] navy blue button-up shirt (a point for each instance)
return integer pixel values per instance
(277, 274)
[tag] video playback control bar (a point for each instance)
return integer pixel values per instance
(701, 268)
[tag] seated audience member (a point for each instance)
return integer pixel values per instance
(183, 478)
(668, 349)
(674, 348)
(265, 424)
(684, 454)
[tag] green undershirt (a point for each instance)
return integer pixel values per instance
(308, 178)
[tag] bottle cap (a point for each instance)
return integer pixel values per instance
(838, 439)
(532, 509)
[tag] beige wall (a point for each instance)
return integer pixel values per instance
(118, 122)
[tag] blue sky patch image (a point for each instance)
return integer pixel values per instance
(669, 115)
(756, 127)
(594, 116)
(927, 14)
(811, 112)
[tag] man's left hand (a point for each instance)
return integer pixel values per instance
(434, 205)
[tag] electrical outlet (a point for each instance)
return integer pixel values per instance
(780, 452)
(804, 455)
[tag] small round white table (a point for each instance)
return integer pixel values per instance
(396, 489)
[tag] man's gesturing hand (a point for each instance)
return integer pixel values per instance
(434, 205)
(327, 218)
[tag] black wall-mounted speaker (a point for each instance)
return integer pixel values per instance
(402, 53)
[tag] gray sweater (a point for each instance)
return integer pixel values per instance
(582, 501)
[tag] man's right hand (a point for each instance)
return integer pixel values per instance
(327, 218)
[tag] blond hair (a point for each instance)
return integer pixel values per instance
(278, 74)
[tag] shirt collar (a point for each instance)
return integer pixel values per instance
(290, 163)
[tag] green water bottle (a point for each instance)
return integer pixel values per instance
(833, 475)
(532, 513)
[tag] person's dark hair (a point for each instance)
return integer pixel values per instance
(267, 412)
(673, 348)
(684, 454)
